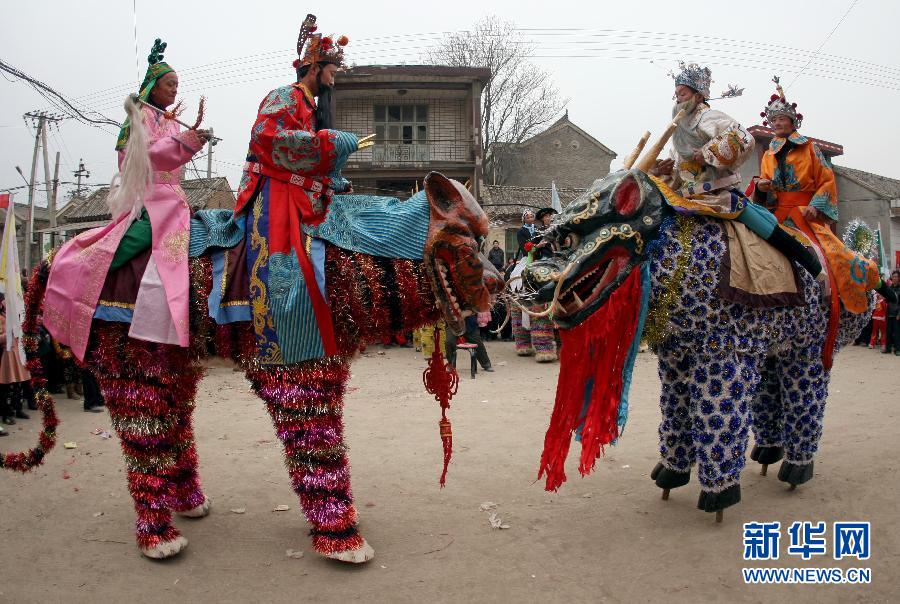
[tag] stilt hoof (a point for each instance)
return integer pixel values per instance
(199, 511)
(166, 549)
(665, 495)
(526, 352)
(767, 455)
(669, 479)
(545, 357)
(360, 555)
(764, 470)
(719, 516)
(795, 474)
(716, 502)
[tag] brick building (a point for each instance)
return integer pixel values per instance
(520, 175)
(563, 153)
(424, 117)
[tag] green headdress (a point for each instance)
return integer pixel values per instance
(156, 69)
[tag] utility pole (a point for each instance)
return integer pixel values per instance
(51, 203)
(81, 171)
(29, 224)
(42, 118)
(47, 185)
(209, 152)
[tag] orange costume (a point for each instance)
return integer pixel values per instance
(800, 177)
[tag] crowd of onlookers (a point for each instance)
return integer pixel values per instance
(63, 375)
(883, 331)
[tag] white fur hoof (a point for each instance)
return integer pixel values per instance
(362, 554)
(525, 352)
(545, 357)
(197, 512)
(166, 549)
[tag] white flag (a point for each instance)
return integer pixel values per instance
(11, 283)
(554, 198)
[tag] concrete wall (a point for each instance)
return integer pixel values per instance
(564, 155)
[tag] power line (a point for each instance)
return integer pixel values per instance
(53, 96)
(784, 53)
(825, 41)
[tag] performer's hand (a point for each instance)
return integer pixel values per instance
(764, 185)
(204, 134)
(811, 213)
(662, 167)
(698, 157)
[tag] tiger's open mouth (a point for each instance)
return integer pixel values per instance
(445, 281)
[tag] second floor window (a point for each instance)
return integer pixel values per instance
(401, 132)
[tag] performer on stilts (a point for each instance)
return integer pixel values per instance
(150, 226)
(709, 147)
(797, 182)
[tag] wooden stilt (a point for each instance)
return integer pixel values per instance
(665, 494)
(719, 515)
(793, 487)
(765, 469)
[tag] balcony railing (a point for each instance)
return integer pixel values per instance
(397, 154)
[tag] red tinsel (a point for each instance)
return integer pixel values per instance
(441, 380)
(27, 460)
(591, 360)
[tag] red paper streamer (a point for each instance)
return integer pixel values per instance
(591, 360)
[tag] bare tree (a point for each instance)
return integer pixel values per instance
(519, 100)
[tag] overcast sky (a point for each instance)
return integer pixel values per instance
(610, 59)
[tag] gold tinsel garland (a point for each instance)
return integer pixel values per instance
(658, 316)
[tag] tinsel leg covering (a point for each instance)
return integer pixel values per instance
(804, 388)
(542, 338)
(306, 404)
(149, 391)
(724, 386)
(768, 415)
(676, 442)
(521, 335)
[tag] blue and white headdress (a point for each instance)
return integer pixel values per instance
(693, 76)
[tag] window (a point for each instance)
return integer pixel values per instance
(401, 133)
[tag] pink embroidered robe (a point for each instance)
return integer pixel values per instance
(81, 265)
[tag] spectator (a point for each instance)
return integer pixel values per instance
(544, 248)
(13, 377)
(526, 232)
(892, 337)
(878, 323)
(496, 256)
(472, 336)
(93, 398)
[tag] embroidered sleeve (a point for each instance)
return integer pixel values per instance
(825, 197)
(314, 154)
(283, 137)
(169, 151)
(729, 143)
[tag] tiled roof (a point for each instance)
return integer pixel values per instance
(198, 192)
(888, 187)
(503, 201)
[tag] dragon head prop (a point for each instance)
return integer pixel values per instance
(602, 236)
(463, 280)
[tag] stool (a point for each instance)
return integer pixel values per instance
(471, 348)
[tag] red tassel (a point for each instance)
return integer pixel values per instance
(447, 441)
(441, 380)
(591, 361)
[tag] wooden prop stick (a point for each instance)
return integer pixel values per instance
(138, 100)
(649, 158)
(632, 157)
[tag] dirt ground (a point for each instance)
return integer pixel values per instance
(605, 538)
